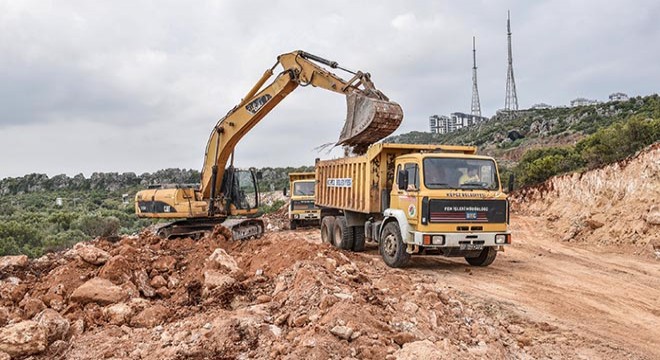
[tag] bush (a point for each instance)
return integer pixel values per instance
(63, 240)
(97, 225)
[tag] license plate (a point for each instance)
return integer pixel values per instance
(471, 247)
(471, 215)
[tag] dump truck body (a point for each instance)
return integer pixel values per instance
(302, 210)
(443, 200)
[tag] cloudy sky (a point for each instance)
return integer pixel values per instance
(137, 85)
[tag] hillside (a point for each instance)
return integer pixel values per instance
(540, 128)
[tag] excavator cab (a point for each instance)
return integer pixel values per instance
(241, 191)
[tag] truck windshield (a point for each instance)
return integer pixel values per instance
(303, 188)
(456, 173)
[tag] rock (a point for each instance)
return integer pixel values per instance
(158, 282)
(215, 281)
(420, 350)
(593, 224)
(653, 217)
(116, 269)
(404, 338)
(32, 306)
(151, 316)
(4, 356)
(276, 330)
(54, 324)
(13, 262)
(118, 314)
(76, 328)
(23, 338)
(142, 282)
(515, 329)
(220, 260)
(100, 291)
(91, 254)
(410, 307)
(58, 347)
(4, 316)
(164, 264)
(342, 332)
(262, 299)
(300, 321)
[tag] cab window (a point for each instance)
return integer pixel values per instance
(413, 175)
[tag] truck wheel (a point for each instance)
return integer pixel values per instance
(293, 224)
(358, 238)
(343, 234)
(391, 246)
(486, 257)
(327, 229)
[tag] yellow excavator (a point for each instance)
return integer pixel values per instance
(230, 196)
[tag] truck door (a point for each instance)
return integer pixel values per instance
(407, 199)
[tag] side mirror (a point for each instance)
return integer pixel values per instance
(512, 179)
(260, 175)
(284, 191)
(402, 179)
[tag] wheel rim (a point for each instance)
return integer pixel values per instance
(390, 245)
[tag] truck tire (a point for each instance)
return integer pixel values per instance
(358, 238)
(343, 237)
(328, 230)
(486, 257)
(293, 224)
(391, 246)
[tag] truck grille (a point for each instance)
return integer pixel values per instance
(468, 211)
(302, 205)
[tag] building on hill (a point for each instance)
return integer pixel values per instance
(439, 124)
(464, 120)
(442, 124)
(583, 102)
(541, 106)
(619, 97)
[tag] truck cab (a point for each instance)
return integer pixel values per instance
(302, 210)
(450, 204)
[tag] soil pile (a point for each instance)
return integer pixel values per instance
(282, 296)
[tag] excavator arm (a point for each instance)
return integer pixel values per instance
(370, 116)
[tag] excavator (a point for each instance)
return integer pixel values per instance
(230, 196)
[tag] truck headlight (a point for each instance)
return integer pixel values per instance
(500, 239)
(295, 216)
(438, 240)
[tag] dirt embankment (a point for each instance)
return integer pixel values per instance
(617, 206)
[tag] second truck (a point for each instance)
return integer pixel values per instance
(415, 200)
(302, 210)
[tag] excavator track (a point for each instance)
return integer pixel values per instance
(368, 120)
(242, 229)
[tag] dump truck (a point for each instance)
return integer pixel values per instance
(415, 200)
(302, 210)
(228, 195)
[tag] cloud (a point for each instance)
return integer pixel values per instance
(137, 85)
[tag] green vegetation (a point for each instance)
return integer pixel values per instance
(605, 146)
(33, 222)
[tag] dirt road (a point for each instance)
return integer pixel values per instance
(610, 299)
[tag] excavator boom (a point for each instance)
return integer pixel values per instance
(370, 117)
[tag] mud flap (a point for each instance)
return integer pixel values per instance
(368, 120)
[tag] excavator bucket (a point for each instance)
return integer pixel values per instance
(368, 120)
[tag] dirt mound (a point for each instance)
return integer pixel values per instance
(283, 296)
(617, 205)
